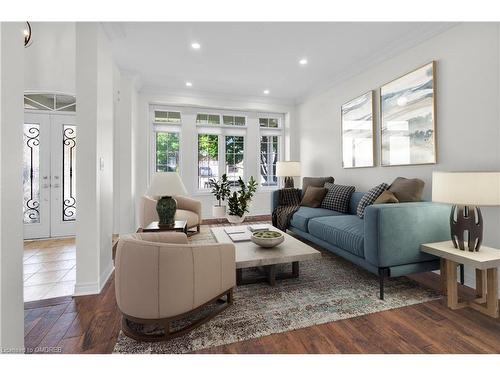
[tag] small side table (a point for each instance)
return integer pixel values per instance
(485, 261)
(179, 226)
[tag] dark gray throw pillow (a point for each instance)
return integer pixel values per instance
(315, 181)
(338, 197)
(369, 198)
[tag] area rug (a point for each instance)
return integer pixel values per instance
(327, 290)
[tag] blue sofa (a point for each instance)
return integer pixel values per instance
(386, 242)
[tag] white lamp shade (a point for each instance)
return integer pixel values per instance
(466, 188)
(166, 184)
(287, 168)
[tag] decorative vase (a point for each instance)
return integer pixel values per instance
(235, 219)
(218, 211)
(166, 207)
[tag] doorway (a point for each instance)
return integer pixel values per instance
(49, 156)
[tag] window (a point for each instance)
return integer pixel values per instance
(167, 152)
(208, 159)
(269, 155)
(234, 120)
(168, 117)
(269, 122)
(235, 155)
(207, 119)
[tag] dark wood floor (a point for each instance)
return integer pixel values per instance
(91, 324)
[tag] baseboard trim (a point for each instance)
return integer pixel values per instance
(103, 279)
(85, 289)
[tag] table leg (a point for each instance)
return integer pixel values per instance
(272, 275)
(451, 284)
(295, 269)
(492, 292)
(443, 278)
(481, 285)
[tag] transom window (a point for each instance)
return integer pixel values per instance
(269, 122)
(234, 120)
(49, 102)
(207, 119)
(170, 117)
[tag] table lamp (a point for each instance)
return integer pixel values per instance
(466, 191)
(288, 170)
(165, 185)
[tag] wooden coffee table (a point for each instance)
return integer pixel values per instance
(249, 255)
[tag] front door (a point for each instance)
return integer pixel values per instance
(49, 175)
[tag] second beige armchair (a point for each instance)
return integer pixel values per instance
(187, 209)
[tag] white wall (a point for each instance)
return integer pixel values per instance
(50, 59)
(94, 168)
(11, 213)
(261, 201)
(125, 116)
(468, 119)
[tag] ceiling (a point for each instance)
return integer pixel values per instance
(244, 59)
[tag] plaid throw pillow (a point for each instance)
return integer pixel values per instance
(370, 197)
(338, 197)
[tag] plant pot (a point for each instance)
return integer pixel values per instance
(234, 219)
(218, 211)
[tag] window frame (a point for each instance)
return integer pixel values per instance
(154, 142)
(163, 127)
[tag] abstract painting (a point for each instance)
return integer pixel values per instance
(357, 132)
(407, 107)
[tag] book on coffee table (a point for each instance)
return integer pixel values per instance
(258, 227)
(238, 234)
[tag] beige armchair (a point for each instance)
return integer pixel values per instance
(187, 209)
(160, 278)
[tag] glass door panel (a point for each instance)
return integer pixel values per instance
(36, 172)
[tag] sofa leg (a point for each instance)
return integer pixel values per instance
(382, 274)
(462, 274)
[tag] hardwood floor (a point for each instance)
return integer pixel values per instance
(91, 324)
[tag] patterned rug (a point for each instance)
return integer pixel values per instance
(327, 290)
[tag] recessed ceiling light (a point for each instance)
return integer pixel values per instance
(303, 61)
(195, 45)
(189, 84)
(266, 92)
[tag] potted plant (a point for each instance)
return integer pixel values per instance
(239, 201)
(221, 191)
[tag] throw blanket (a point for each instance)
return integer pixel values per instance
(288, 203)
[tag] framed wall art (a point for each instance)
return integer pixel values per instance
(357, 123)
(408, 123)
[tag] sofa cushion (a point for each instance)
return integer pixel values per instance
(313, 197)
(302, 216)
(407, 189)
(370, 197)
(345, 232)
(315, 181)
(338, 197)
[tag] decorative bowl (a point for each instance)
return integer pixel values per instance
(267, 238)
